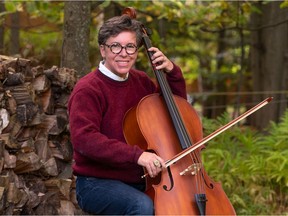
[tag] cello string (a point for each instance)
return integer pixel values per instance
(180, 126)
(176, 118)
(190, 210)
(181, 131)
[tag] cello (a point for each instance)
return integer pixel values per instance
(169, 126)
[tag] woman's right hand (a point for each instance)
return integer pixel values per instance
(152, 162)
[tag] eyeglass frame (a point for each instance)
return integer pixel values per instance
(122, 47)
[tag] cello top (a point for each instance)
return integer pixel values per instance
(168, 136)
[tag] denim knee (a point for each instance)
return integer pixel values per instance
(100, 196)
(145, 206)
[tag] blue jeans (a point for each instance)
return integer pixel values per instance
(112, 197)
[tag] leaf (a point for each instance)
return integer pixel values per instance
(284, 4)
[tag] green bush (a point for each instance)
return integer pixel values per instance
(252, 167)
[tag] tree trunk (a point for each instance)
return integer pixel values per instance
(269, 62)
(14, 43)
(111, 11)
(75, 48)
(219, 85)
(2, 10)
(213, 105)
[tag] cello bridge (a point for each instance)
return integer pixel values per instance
(192, 169)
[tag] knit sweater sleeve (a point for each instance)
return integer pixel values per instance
(176, 82)
(96, 109)
(85, 115)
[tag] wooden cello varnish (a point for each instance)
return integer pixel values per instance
(153, 125)
(149, 126)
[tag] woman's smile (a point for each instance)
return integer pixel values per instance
(121, 63)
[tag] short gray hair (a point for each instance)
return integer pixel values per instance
(114, 26)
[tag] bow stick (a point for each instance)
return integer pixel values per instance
(217, 132)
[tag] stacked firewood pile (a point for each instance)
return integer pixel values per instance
(35, 149)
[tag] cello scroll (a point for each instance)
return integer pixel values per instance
(167, 137)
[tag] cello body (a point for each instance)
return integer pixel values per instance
(149, 126)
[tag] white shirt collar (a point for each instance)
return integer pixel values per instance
(108, 73)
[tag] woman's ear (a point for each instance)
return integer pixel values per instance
(102, 51)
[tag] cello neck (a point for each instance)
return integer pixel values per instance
(178, 124)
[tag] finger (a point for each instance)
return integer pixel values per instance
(156, 54)
(152, 170)
(161, 162)
(153, 49)
(163, 165)
(155, 170)
(158, 165)
(158, 57)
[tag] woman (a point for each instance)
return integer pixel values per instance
(109, 170)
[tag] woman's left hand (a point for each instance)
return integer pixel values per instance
(160, 60)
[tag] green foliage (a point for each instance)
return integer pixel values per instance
(187, 31)
(41, 40)
(252, 167)
(284, 4)
(191, 35)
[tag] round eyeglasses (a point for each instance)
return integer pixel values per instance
(116, 48)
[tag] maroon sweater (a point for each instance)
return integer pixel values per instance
(96, 109)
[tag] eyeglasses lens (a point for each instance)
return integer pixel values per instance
(117, 48)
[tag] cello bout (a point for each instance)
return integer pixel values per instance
(182, 198)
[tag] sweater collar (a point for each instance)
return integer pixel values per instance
(103, 69)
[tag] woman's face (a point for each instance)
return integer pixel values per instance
(121, 63)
